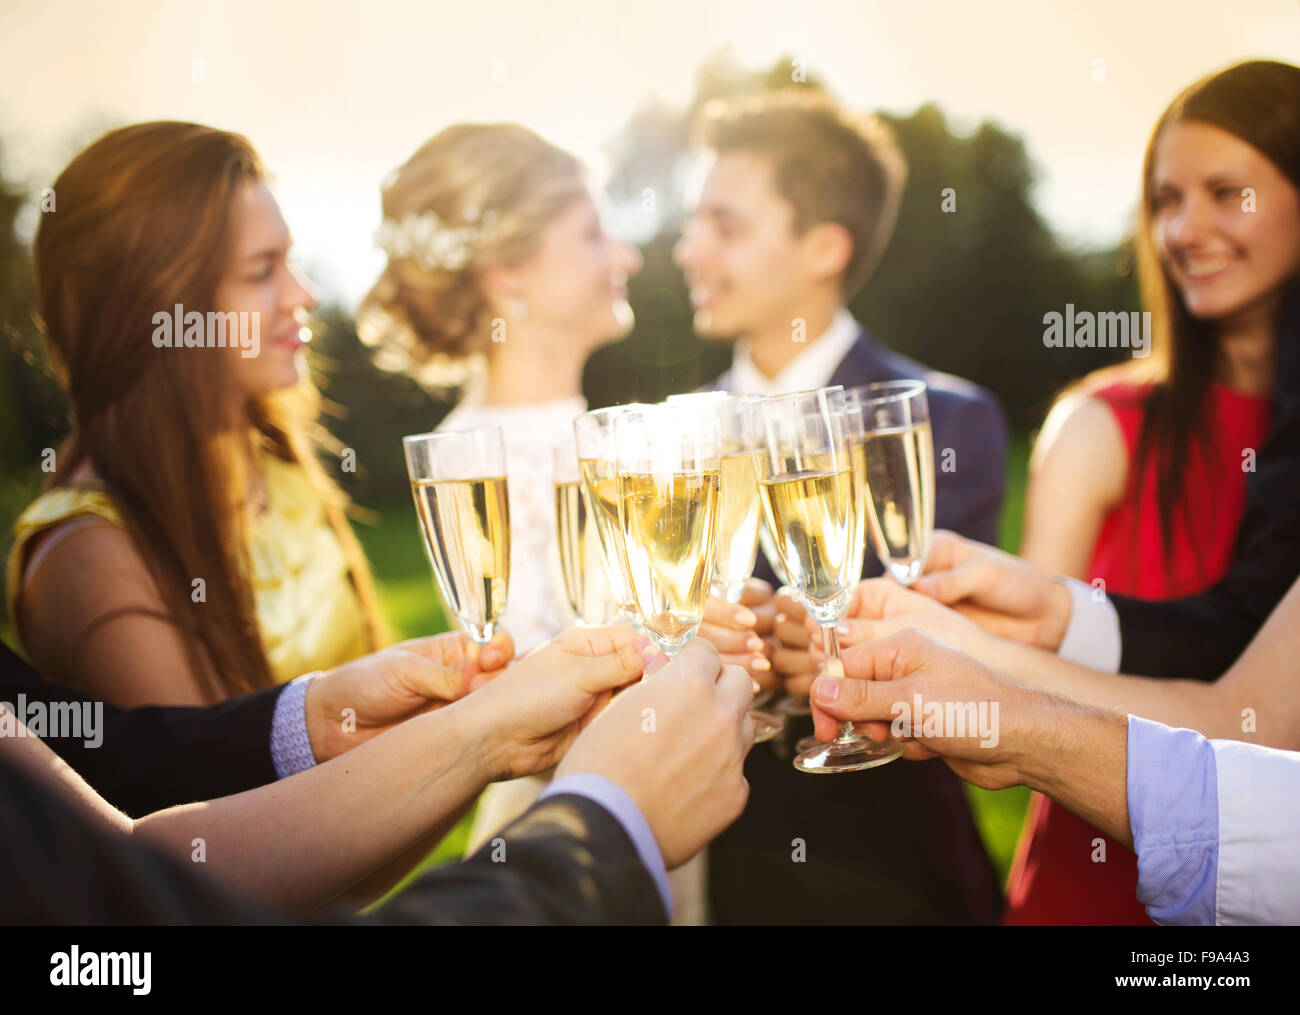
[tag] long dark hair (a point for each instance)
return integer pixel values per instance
(1259, 102)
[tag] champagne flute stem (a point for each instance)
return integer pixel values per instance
(835, 668)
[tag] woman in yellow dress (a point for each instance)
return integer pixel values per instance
(190, 546)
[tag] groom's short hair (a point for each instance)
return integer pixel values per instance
(831, 164)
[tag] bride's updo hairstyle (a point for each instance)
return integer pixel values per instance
(472, 196)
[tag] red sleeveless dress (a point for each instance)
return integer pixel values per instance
(1054, 878)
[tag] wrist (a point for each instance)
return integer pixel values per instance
(323, 732)
(1059, 610)
(1057, 748)
(481, 741)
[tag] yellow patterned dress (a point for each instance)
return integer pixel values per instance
(307, 607)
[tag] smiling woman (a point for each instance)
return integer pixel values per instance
(190, 546)
(1138, 481)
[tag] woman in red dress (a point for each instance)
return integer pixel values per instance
(1137, 481)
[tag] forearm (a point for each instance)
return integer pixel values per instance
(375, 885)
(305, 839)
(1179, 703)
(1078, 757)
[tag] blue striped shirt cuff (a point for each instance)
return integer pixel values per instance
(290, 746)
(614, 799)
(1173, 807)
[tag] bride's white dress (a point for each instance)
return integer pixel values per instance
(536, 609)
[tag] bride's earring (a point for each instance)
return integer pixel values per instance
(519, 309)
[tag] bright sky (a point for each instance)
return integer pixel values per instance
(335, 94)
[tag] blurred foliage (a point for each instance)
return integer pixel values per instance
(963, 291)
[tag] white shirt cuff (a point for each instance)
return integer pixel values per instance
(1092, 637)
(1259, 824)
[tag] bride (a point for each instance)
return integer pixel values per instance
(501, 281)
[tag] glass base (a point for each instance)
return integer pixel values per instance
(846, 756)
(764, 696)
(766, 726)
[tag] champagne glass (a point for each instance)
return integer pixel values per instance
(458, 481)
(805, 478)
(586, 586)
(899, 459)
(735, 545)
(594, 436)
(855, 432)
(668, 462)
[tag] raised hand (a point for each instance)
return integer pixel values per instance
(534, 710)
(676, 743)
(1005, 595)
(883, 679)
(354, 702)
(737, 630)
(792, 661)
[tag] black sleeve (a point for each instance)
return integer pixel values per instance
(151, 758)
(566, 860)
(1199, 637)
(57, 867)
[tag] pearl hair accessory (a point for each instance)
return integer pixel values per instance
(433, 243)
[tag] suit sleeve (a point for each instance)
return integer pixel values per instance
(1199, 637)
(567, 860)
(970, 461)
(152, 758)
(56, 867)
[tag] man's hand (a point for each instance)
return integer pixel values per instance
(676, 744)
(736, 630)
(354, 702)
(530, 714)
(1005, 595)
(1074, 753)
(881, 682)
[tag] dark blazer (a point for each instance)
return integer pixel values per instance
(895, 844)
(152, 758)
(569, 861)
(1200, 636)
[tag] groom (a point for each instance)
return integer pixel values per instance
(798, 204)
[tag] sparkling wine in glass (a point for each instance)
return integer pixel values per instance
(586, 587)
(458, 481)
(668, 461)
(594, 436)
(899, 459)
(805, 478)
(735, 545)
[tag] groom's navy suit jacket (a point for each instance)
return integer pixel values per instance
(895, 844)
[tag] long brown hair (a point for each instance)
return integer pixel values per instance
(144, 222)
(1259, 102)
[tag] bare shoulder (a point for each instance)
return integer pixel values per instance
(1082, 439)
(80, 571)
